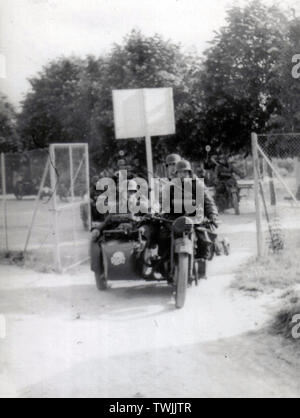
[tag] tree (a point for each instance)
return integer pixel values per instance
(239, 81)
(71, 99)
(9, 139)
(286, 117)
(48, 114)
(139, 62)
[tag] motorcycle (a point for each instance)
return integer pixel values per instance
(227, 195)
(24, 188)
(124, 254)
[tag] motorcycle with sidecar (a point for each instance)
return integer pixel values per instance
(25, 188)
(119, 251)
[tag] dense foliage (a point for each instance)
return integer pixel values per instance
(9, 139)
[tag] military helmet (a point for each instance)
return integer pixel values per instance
(183, 165)
(173, 159)
(121, 163)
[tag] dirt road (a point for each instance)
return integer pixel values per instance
(66, 339)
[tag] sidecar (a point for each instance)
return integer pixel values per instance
(122, 254)
(119, 253)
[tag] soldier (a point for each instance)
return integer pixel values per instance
(206, 242)
(184, 170)
(171, 161)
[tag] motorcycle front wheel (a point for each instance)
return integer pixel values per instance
(181, 279)
(19, 192)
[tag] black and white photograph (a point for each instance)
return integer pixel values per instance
(149, 201)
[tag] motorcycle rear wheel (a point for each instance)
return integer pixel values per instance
(181, 279)
(101, 282)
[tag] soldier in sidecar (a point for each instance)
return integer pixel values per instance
(119, 244)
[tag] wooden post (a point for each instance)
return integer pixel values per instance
(259, 233)
(271, 185)
(54, 184)
(87, 169)
(3, 177)
(37, 200)
(149, 156)
(297, 172)
(72, 197)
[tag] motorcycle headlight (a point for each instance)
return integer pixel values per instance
(183, 225)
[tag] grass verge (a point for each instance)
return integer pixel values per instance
(276, 272)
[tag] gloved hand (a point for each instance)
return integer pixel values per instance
(214, 220)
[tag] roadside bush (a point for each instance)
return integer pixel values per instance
(278, 271)
(283, 323)
(288, 164)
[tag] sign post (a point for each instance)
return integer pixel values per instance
(259, 231)
(149, 155)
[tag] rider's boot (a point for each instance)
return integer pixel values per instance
(202, 269)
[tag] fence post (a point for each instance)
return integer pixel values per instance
(298, 177)
(87, 168)
(36, 205)
(54, 184)
(259, 233)
(4, 197)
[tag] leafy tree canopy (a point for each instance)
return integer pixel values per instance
(9, 140)
(240, 79)
(238, 86)
(71, 99)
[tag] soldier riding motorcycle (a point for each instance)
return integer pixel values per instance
(204, 225)
(227, 190)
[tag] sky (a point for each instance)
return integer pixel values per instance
(33, 32)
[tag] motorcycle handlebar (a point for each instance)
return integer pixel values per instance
(163, 219)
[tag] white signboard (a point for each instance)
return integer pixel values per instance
(143, 112)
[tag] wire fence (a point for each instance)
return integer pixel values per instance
(278, 191)
(43, 195)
